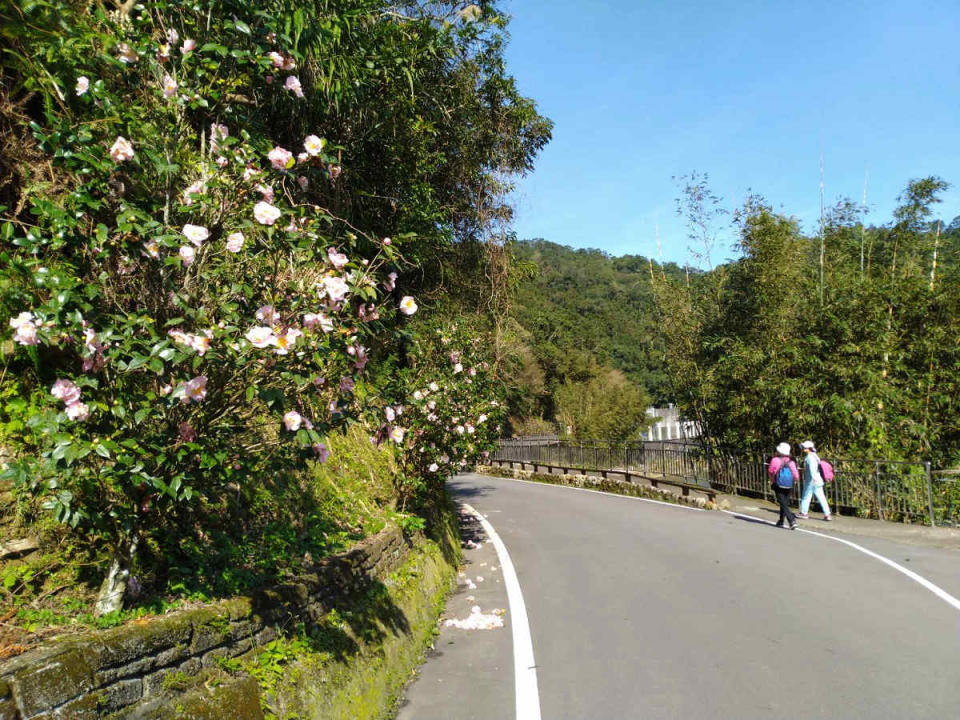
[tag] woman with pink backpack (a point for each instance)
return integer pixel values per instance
(812, 482)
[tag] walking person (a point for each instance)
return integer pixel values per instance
(783, 473)
(812, 481)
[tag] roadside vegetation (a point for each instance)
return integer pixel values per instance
(242, 328)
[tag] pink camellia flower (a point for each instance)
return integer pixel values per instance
(195, 188)
(292, 420)
(434, 387)
(337, 259)
(391, 282)
(275, 58)
(322, 452)
(261, 337)
(313, 145)
(187, 254)
(432, 405)
(172, 36)
(200, 343)
(454, 357)
(78, 411)
(289, 63)
(458, 368)
(312, 320)
(187, 433)
(189, 45)
(65, 390)
(473, 372)
(396, 434)
(407, 305)
(235, 242)
(287, 340)
(347, 384)
(127, 54)
(163, 53)
(335, 288)
(83, 84)
(389, 414)
(417, 395)
(266, 191)
(169, 86)
(267, 314)
(461, 429)
(470, 429)
(433, 467)
(387, 241)
(334, 171)
(121, 150)
(265, 213)
(281, 159)
(25, 325)
(196, 234)
(293, 85)
(196, 389)
(482, 419)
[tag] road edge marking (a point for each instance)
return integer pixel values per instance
(595, 492)
(524, 666)
(932, 587)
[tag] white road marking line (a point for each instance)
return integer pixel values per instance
(935, 589)
(597, 492)
(524, 666)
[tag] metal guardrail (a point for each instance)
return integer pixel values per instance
(883, 489)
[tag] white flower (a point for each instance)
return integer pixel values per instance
(83, 84)
(482, 419)
(261, 337)
(335, 288)
(407, 305)
(235, 242)
(338, 260)
(65, 390)
(196, 389)
(195, 188)
(460, 429)
(195, 234)
(389, 414)
(313, 145)
(287, 340)
(470, 429)
(396, 434)
(121, 150)
(434, 387)
(218, 132)
(391, 282)
(431, 405)
(433, 467)
(293, 85)
(281, 159)
(172, 36)
(151, 249)
(276, 58)
(169, 86)
(417, 395)
(292, 420)
(458, 368)
(265, 213)
(187, 254)
(78, 411)
(188, 46)
(267, 314)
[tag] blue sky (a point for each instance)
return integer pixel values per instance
(747, 92)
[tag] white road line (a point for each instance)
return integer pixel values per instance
(524, 667)
(597, 492)
(935, 589)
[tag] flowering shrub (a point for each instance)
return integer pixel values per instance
(190, 316)
(452, 411)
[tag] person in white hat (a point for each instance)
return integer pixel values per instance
(812, 481)
(783, 473)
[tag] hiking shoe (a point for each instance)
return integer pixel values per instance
(827, 518)
(803, 516)
(779, 525)
(793, 526)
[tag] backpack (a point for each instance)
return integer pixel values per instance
(784, 475)
(826, 471)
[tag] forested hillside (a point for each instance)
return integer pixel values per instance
(586, 327)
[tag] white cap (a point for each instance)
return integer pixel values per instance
(783, 448)
(807, 445)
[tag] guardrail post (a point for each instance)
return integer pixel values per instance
(879, 494)
(663, 458)
(926, 468)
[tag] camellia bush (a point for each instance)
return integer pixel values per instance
(453, 409)
(185, 316)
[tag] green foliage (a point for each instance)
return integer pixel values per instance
(607, 408)
(864, 362)
(171, 385)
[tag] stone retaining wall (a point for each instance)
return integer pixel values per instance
(112, 672)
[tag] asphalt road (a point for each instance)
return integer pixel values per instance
(640, 610)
